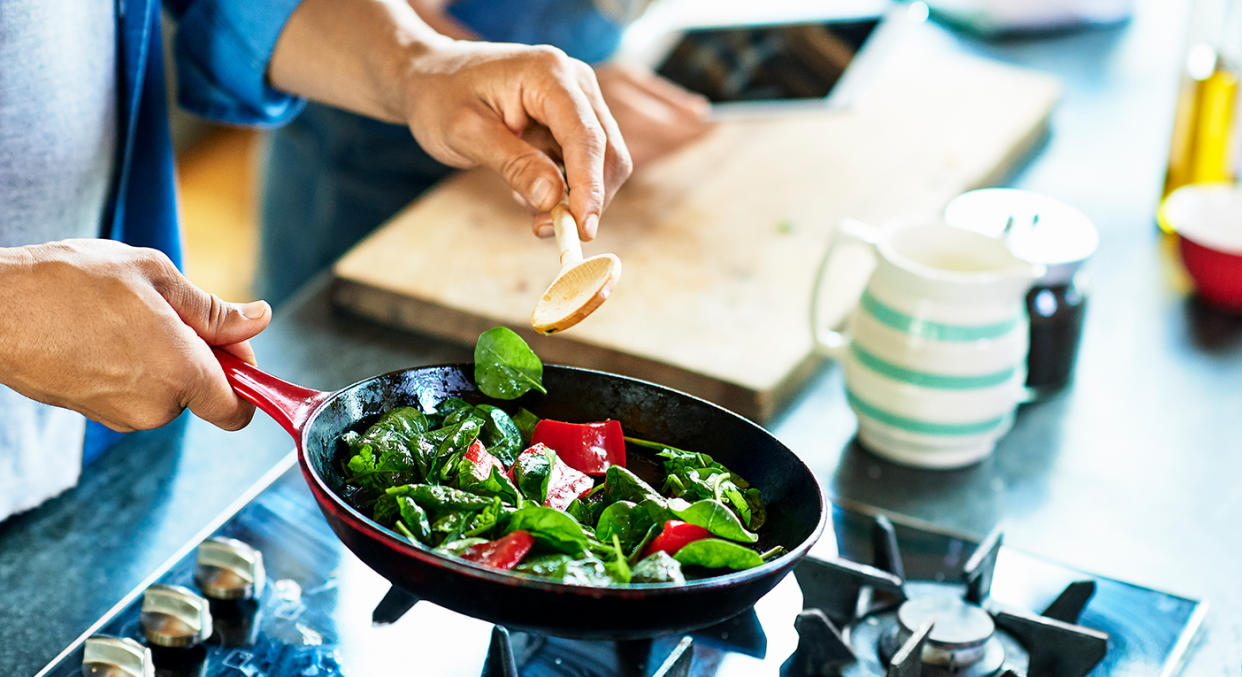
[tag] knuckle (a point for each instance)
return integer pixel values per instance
(621, 164)
(217, 313)
(515, 167)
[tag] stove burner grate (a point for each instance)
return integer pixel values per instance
(863, 621)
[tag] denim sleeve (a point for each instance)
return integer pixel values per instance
(222, 50)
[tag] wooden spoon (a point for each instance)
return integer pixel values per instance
(580, 287)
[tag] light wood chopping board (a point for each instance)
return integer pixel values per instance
(719, 242)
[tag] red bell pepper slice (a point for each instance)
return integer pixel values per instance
(586, 447)
(564, 483)
(675, 535)
(503, 553)
(482, 461)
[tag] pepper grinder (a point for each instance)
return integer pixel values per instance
(1041, 230)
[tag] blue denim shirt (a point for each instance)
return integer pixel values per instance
(222, 50)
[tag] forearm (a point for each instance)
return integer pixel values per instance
(15, 262)
(434, 13)
(352, 54)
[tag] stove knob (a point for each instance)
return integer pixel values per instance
(105, 656)
(173, 616)
(229, 569)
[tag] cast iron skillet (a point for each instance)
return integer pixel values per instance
(317, 419)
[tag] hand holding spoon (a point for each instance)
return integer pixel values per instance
(580, 287)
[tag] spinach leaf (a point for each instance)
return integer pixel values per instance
(484, 520)
(696, 476)
(551, 527)
(713, 516)
(616, 565)
(658, 567)
(381, 456)
(496, 484)
(501, 435)
(549, 566)
(587, 508)
(504, 366)
(459, 438)
(399, 424)
(525, 421)
(453, 524)
(587, 570)
(459, 546)
(437, 499)
(452, 406)
(714, 553)
(414, 519)
(532, 470)
(622, 485)
(626, 521)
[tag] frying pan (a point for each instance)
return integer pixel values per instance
(795, 505)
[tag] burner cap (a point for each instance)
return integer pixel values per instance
(958, 624)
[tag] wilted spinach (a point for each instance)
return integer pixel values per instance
(713, 516)
(715, 553)
(696, 476)
(504, 366)
(658, 567)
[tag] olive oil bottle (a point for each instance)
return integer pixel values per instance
(1207, 128)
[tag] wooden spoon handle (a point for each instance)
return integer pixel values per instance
(566, 236)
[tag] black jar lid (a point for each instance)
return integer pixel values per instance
(1038, 228)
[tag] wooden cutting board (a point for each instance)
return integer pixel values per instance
(719, 242)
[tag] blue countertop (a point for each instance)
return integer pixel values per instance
(1132, 473)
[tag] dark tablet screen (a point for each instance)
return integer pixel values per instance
(759, 63)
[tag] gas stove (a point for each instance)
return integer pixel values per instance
(273, 593)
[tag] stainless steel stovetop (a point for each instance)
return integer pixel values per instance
(879, 596)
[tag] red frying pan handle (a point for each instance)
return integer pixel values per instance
(291, 405)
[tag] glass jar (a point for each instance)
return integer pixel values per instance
(1207, 143)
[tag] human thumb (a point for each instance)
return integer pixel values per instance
(217, 322)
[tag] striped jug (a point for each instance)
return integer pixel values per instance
(934, 353)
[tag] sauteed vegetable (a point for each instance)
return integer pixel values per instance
(552, 499)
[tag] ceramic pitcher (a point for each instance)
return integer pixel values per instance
(934, 353)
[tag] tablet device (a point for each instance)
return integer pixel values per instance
(761, 67)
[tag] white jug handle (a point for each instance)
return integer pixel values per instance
(828, 342)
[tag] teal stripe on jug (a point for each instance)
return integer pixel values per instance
(937, 331)
(928, 379)
(921, 427)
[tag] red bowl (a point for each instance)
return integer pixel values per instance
(1217, 275)
(1208, 220)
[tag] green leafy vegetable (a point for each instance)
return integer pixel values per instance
(502, 436)
(696, 476)
(459, 546)
(504, 366)
(525, 422)
(438, 499)
(617, 566)
(622, 485)
(626, 521)
(658, 567)
(532, 472)
(715, 553)
(414, 519)
(550, 527)
(496, 484)
(713, 516)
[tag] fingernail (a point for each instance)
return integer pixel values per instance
(545, 231)
(591, 225)
(541, 193)
(254, 310)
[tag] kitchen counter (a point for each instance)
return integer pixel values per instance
(1132, 473)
